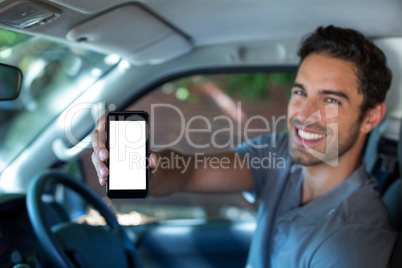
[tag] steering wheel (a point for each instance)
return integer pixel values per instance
(72, 245)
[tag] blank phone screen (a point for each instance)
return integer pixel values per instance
(127, 161)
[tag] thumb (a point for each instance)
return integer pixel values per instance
(154, 159)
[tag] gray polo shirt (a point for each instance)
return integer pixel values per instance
(347, 227)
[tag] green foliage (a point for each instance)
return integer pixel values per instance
(184, 82)
(254, 86)
(9, 38)
(247, 86)
(244, 86)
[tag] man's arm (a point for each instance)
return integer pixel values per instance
(173, 172)
(210, 173)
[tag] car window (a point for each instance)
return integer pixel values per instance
(54, 75)
(203, 114)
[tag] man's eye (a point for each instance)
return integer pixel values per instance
(334, 101)
(299, 92)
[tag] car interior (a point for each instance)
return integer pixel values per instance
(65, 62)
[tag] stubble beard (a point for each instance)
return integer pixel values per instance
(303, 157)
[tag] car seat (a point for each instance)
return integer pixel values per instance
(381, 154)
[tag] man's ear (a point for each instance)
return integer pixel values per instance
(373, 117)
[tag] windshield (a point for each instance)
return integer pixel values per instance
(54, 75)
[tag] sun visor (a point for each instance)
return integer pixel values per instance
(133, 33)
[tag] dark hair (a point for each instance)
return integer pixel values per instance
(372, 72)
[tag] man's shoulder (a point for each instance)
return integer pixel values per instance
(360, 220)
(355, 244)
(268, 158)
(365, 206)
(363, 236)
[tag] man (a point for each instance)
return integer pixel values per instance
(321, 209)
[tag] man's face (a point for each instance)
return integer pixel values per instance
(323, 111)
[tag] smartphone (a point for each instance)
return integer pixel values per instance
(127, 139)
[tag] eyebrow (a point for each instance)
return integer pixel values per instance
(298, 85)
(325, 91)
(336, 93)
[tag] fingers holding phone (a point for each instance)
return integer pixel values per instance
(153, 159)
(101, 169)
(101, 153)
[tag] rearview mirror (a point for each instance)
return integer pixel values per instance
(10, 82)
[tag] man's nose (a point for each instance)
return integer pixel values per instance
(309, 112)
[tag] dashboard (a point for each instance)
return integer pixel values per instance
(18, 243)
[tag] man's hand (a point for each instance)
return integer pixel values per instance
(101, 154)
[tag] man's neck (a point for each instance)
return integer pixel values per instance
(320, 179)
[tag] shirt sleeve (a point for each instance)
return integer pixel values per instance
(352, 246)
(261, 155)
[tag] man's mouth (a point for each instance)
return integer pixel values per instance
(307, 137)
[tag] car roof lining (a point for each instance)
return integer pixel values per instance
(270, 20)
(254, 20)
(141, 37)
